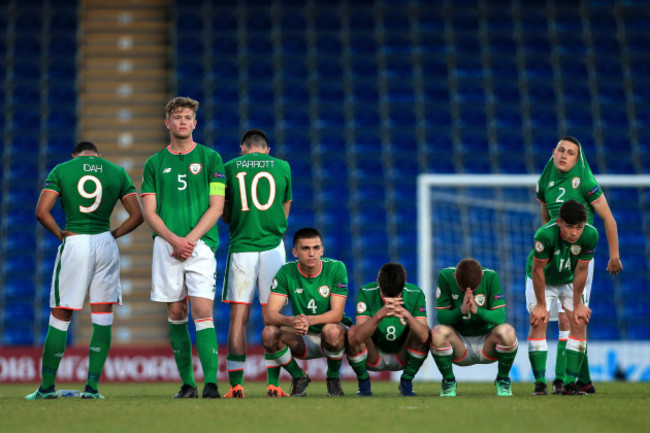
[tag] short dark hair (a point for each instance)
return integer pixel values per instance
(255, 137)
(573, 212)
(468, 274)
(571, 139)
(306, 233)
(85, 146)
(391, 279)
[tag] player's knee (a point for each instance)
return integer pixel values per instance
(505, 333)
(333, 334)
(271, 335)
(177, 312)
(440, 334)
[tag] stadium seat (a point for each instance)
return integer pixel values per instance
(18, 336)
(224, 20)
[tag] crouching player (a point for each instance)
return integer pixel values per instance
(471, 310)
(391, 331)
(317, 288)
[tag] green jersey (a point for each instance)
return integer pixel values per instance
(554, 188)
(391, 331)
(489, 300)
(182, 184)
(311, 295)
(562, 256)
(257, 186)
(89, 186)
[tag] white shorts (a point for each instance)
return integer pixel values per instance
(387, 362)
(246, 271)
(586, 294)
(562, 294)
(173, 280)
(313, 347)
(474, 351)
(86, 264)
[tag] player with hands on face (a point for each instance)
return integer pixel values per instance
(391, 331)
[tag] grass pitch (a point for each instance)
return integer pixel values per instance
(149, 408)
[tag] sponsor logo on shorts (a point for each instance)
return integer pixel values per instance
(575, 182)
(195, 168)
(324, 291)
(539, 247)
(575, 249)
(361, 307)
(480, 300)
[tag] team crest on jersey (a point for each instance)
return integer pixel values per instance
(361, 307)
(575, 249)
(195, 168)
(480, 300)
(575, 182)
(437, 292)
(324, 291)
(539, 247)
(454, 296)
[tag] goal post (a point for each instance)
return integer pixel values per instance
(493, 218)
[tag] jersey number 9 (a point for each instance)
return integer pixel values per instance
(97, 194)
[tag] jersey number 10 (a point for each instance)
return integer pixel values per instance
(242, 191)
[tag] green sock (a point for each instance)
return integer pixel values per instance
(573, 361)
(413, 364)
(333, 367)
(53, 350)
(286, 360)
(179, 337)
(504, 363)
(560, 360)
(235, 365)
(272, 373)
(100, 344)
(445, 365)
(360, 369)
(583, 375)
(208, 349)
(538, 364)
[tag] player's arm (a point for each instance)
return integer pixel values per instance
(334, 315)
(366, 326)
(272, 313)
(580, 310)
(496, 316)
(539, 315)
(417, 324)
(46, 202)
(135, 218)
(287, 207)
(209, 217)
(601, 207)
(182, 247)
(546, 216)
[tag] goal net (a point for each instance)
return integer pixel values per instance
(493, 219)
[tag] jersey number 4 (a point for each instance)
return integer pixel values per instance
(97, 194)
(242, 191)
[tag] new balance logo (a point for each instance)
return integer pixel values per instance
(299, 290)
(167, 170)
(95, 349)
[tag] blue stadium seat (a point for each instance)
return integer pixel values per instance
(227, 116)
(296, 116)
(18, 313)
(441, 162)
(363, 44)
(404, 142)
(396, 20)
(28, 96)
(224, 45)
(328, 44)
(330, 91)
(295, 68)
(365, 91)
(224, 20)
(62, 118)
(293, 20)
(261, 93)
(259, 20)
(262, 117)
(331, 118)
(603, 331)
(327, 21)
(18, 336)
(190, 68)
(62, 45)
(27, 70)
(362, 20)
(295, 92)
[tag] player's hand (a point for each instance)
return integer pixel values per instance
(539, 316)
(182, 248)
(581, 312)
(473, 308)
(466, 305)
(614, 266)
(301, 324)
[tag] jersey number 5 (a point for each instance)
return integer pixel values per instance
(97, 194)
(242, 191)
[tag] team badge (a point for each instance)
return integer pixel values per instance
(324, 291)
(437, 292)
(575, 249)
(195, 168)
(480, 300)
(539, 247)
(454, 296)
(361, 307)
(575, 182)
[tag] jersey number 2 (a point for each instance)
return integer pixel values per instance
(97, 194)
(242, 190)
